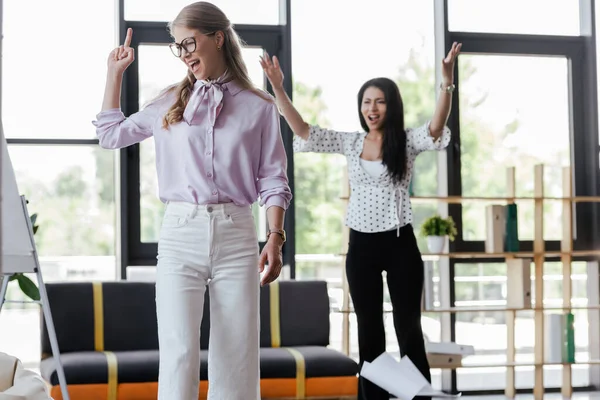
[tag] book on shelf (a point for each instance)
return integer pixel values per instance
(518, 283)
(559, 340)
(444, 361)
(554, 338)
(511, 234)
(495, 221)
(569, 338)
(428, 296)
(450, 348)
(502, 233)
(447, 354)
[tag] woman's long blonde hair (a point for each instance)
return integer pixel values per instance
(207, 18)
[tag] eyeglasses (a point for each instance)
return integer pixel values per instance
(188, 44)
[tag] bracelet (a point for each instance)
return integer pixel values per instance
(447, 89)
(279, 232)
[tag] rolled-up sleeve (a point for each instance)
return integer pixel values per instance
(272, 182)
(115, 131)
(420, 139)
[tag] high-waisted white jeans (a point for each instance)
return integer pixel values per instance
(214, 246)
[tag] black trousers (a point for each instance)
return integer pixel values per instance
(369, 254)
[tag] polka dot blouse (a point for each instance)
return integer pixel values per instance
(376, 204)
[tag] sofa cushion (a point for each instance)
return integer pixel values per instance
(142, 365)
(319, 362)
(126, 307)
(303, 313)
(130, 307)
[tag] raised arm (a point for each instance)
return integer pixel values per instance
(291, 115)
(444, 103)
(112, 128)
(118, 61)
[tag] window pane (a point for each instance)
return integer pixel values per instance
(256, 12)
(72, 189)
(484, 285)
(534, 17)
(67, 90)
(499, 130)
(157, 70)
(328, 98)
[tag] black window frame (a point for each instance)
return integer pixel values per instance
(580, 52)
(574, 50)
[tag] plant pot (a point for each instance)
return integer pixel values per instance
(436, 244)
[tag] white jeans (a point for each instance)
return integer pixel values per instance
(214, 246)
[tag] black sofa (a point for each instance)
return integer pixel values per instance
(108, 340)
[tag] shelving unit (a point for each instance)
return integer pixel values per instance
(539, 255)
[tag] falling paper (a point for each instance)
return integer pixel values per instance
(401, 379)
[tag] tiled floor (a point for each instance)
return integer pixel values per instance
(550, 396)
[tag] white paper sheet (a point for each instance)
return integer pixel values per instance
(401, 379)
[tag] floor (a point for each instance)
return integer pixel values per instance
(550, 396)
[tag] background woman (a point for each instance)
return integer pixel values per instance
(380, 165)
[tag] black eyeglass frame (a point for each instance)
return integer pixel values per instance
(176, 47)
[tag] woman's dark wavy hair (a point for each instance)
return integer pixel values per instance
(393, 147)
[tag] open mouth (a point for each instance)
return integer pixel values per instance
(193, 65)
(374, 118)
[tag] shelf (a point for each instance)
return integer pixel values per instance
(453, 310)
(520, 254)
(528, 364)
(538, 257)
(460, 199)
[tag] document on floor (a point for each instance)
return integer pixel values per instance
(401, 379)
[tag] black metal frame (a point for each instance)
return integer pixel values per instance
(275, 39)
(574, 49)
(583, 108)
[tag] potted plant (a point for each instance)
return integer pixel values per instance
(27, 286)
(436, 229)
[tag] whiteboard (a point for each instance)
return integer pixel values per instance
(17, 242)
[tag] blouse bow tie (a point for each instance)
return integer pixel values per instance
(206, 101)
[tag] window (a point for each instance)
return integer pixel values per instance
(260, 12)
(552, 17)
(332, 58)
(45, 80)
(484, 285)
(72, 190)
(53, 76)
(327, 97)
(500, 129)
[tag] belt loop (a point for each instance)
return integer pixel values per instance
(398, 231)
(194, 212)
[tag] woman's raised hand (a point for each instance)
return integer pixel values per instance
(272, 70)
(448, 63)
(121, 57)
